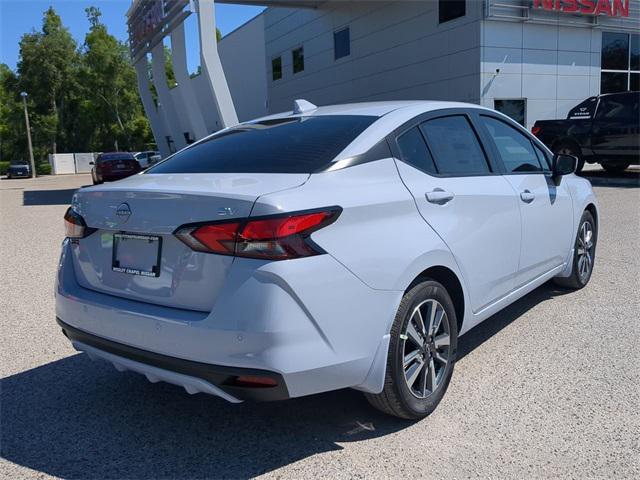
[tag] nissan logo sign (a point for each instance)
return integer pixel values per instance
(123, 212)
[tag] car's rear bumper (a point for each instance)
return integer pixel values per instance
(311, 322)
(195, 377)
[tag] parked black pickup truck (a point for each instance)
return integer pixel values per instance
(603, 129)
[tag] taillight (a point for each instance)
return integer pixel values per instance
(536, 130)
(74, 225)
(277, 237)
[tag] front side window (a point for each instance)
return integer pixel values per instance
(298, 59)
(414, 150)
(342, 43)
(620, 62)
(515, 149)
(455, 146)
(451, 9)
(543, 157)
(283, 145)
(276, 68)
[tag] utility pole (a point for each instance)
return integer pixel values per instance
(26, 121)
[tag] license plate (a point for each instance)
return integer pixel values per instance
(137, 254)
(120, 165)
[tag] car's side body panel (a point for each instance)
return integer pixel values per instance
(380, 235)
(547, 224)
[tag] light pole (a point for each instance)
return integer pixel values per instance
(26, 121)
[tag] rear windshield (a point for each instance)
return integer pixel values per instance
(284, 145)
(115, 156)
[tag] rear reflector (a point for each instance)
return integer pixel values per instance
(252, 381)
(277, 237)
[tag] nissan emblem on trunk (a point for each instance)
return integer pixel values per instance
(123, 212)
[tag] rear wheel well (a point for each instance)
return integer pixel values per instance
(450, 282)
(591, 208)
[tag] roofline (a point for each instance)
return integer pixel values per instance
(244, 24)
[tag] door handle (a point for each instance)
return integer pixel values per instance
(439, 196)
(527, 196)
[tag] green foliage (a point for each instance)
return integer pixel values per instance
(80, 98)
(168, 66)
(43, 169)
(4, 167)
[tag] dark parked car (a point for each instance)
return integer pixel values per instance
(603, 129)
(19, 171)
(114, 166)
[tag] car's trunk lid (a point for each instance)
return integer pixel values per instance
(155, 206)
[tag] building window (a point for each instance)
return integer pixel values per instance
(451, 9)
(516, 109)
(342, 43)
(620, 62)
(298, 59)
(276, 68)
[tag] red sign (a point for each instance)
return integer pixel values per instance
(612, 8)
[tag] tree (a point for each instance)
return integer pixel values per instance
(47, 70)
(111, 90)
(11, 129)
(79, 99)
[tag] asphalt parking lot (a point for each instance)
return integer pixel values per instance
(549, 387)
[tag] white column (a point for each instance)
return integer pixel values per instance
(158, 126)
(189, 105)
(164, 96)
(212, 66)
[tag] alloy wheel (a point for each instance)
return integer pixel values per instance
(586, 247)
(425, 348)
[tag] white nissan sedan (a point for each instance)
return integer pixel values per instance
(323, 248)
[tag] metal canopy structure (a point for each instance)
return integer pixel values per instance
(177, 118)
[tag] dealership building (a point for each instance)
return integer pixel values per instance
(531, 59)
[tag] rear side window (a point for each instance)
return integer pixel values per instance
(515, 149)
(414, 151)
(455, 146)
(618, 107)
(284, 145)
(584, 109)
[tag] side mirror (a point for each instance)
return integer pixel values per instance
(92, 163)
(563, 165)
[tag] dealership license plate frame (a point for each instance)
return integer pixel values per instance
(116, 261)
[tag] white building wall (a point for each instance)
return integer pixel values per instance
(398, 51)
(551, 59)
(243, 55)
(553, 67)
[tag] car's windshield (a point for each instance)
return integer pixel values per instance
(283, 145)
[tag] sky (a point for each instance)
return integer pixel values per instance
(18, 17)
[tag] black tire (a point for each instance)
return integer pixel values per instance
(577, 280)
(615, 167)
(397, 397)
(571, 149)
